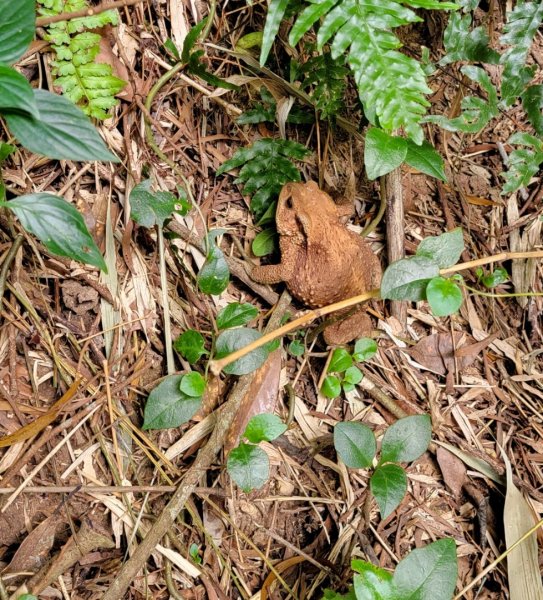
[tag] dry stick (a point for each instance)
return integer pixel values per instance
(216, 366)
(189, 482)
(85, 12)
(7, 263)
(395, 233)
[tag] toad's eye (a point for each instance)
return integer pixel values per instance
(288, 203)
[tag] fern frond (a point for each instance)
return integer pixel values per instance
(267, 166)
(464, 43)
(90, 85)
(327, 76)
(391, 85)
(523, 163)
(519, 31)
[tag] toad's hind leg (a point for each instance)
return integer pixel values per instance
(355, 326)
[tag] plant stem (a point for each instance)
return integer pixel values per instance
(170, 365)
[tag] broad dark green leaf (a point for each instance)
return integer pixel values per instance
(355, 444)
(16, 94)
(59, 226)
(233, 339)
(426, 159)
(406, 439)
(276, 10)
(444, 296)
(236, 314)
(428, 573)
(372, 583)
(193, 384)
(150, 208)
(383, 153)
(17, 27)
(331, 386)
(191, 345)
(248, 466)
(62, 131)
(407, 278)
(167, 406)
(265, 242)
(388, 485)
(190, 39)
(444, 249)
(364, 349)
(264, 428)
(341, 361)
(532, 101)
(214, 275)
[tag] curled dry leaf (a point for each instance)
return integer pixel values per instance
(452, 469)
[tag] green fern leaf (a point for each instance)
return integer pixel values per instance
(267, 166)
(522, 25)
(276, 10)
(327, 76)
(532, 101)
(463, 43)
(523, 163)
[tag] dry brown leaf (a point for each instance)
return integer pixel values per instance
(452, 469)
(522, 562)
(34, 550)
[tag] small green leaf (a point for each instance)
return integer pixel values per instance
(388, 485)
(248, 466)
(194, 550)
(151, 208)
(265, 242)
(355, 444)
(6, 150)
(331, 386)
(364, 349)
(264, 428)
(249, 40)
(498, 276)
(372, 583)
(426, 159)
(276, 10)
(191, 345)
(59, 226)
(532, 102)
(27, 597)
(296, 348)
(428, 572)
(190, 39)
(406, 439)
(167, 406)
(233, 339)
(444, 249)
(383, 153)
(236, 314)
(406, 279)
(17, 27)
(214, 275)
(193, 384)
(16, 94)
(444, 296)
(341, 361)
(353, 375)
(62, 131)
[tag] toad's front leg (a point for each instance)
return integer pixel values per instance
(284, 271)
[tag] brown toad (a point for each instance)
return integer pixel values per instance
(321, 260)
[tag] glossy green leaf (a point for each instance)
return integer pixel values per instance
(428, 573)
(16, 94)
(364, 349)
(372, 583)
(191, 345)
(464, 43)
(406, 439)
(276, 11)
(6, 150)
(523, 163)
(426, 159)
(331, 386)
(62, 131)
(150, 208)
(444, 296)
(191, 38)
(296, 348)
(388, 485)
(214, 275)
(17, 27)
(406, 279)
(58, 225)
(355, 444)
(341, 360)
(233, 339)
(495, 278)
(193, 384)
(532, 102)
(264, 428)
(265, 242)
(236, 314)
(248, 466)
(444, 249)
(353, 375)
(383, 153)
(167, 406)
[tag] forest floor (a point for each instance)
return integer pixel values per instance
(68, 529)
